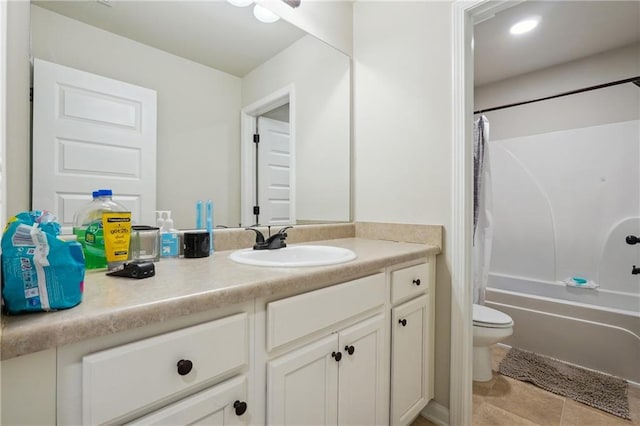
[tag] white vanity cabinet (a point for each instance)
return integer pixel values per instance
(341, 376)
(412, 340)
(334, 381)
(200, 370)
(354, 353)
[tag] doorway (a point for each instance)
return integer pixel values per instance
(465, 16)
(268, 160)
(273, 168)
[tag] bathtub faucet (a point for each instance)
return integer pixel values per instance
(635, 271)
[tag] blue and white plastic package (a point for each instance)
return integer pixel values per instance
(40, 272)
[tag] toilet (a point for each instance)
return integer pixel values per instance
(489, 327)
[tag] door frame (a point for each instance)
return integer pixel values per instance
(248, 116)
(465, 14)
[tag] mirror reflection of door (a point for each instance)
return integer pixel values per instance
(273, 169)
(91, 132)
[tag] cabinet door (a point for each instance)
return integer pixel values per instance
(302, 386)
(219, 405)
(410, 359)
(361, 374)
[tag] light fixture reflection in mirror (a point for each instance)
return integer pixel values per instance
(240, 3)
(201, 93)
(263, 14)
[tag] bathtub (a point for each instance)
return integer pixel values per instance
(567, 324)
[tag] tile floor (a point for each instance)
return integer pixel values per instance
(504, 401)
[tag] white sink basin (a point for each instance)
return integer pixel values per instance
(294, 256)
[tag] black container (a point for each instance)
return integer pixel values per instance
(196, 244)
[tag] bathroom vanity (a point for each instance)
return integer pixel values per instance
(211, 339)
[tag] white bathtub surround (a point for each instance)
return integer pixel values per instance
(596, 298)
(563, 203)
(564, 200)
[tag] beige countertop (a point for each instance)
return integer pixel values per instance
(188, 286)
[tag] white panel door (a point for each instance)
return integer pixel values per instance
(302, 386)
(274, 173)
(410, 390)
(92, 132)
(361, 374)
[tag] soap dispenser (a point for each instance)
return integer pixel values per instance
(170, 240)
(159, 219)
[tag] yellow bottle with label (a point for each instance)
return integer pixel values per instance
(88, 228)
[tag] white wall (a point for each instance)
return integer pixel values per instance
(402, 129)
(198, 122)
(3, 116)
(566, 175)
(18, 114)
(613, 65)
(329, 20)
(3, 132)
(321, 79)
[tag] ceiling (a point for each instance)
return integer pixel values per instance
(222, 36)
(568, 30)
(214, 33)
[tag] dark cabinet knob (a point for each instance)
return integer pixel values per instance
(350, 349)
(403, 322)
(632, 239)
(184, 367)
(416, 281)
(337, 356)
(240, 407)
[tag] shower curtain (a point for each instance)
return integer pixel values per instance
(482, 220)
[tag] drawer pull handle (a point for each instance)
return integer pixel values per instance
(337, 356)
(416, 281)
(350, 349)
(240, 407)
(403, 322)
(184, 367)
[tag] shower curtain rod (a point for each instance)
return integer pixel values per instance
(634, 80)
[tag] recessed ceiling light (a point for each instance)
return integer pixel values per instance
(524, 26)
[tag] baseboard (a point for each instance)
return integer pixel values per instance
(436, 413)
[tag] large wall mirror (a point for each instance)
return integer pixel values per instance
(215, 68)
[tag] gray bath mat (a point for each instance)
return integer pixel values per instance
(606, 393)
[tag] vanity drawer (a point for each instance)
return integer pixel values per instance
(126, 378)
(212, 407)
(411, 281)
(295, 317)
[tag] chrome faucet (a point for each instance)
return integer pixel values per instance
(273, 242)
